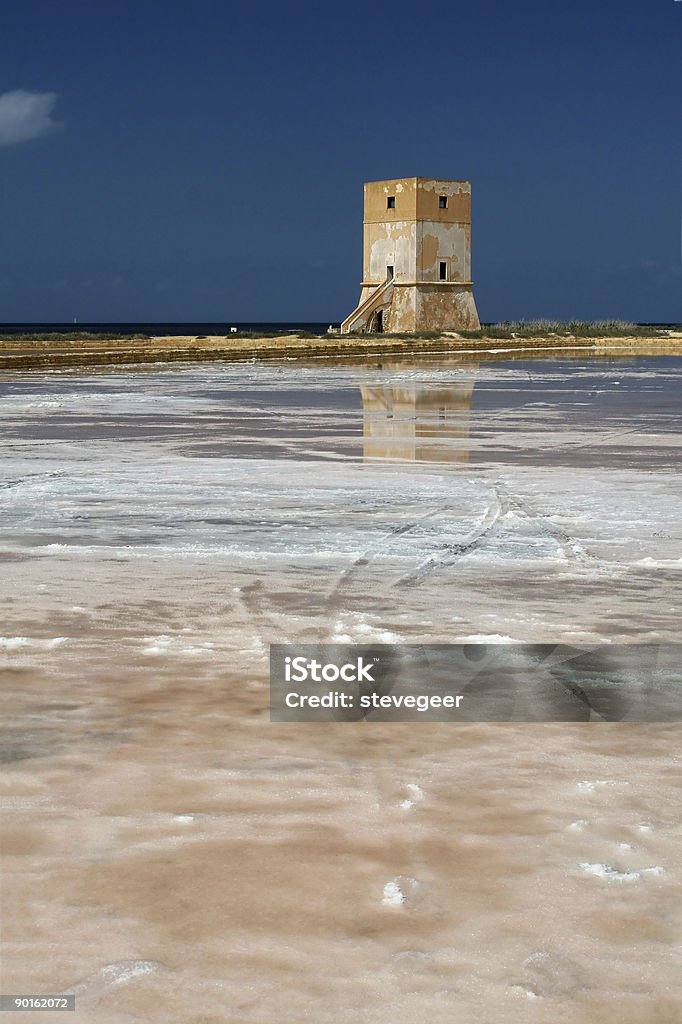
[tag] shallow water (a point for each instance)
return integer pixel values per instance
(169, 854)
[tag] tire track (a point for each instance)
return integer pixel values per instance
(451, 552)
(332, 604)
(568, 545)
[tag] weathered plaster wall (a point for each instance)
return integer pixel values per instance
(442, 307)
(377, 192)
(447, 243)
(392, 244)
(403, 312)
(458, 193)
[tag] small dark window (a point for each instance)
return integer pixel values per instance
(389, 272)
(443, 271)
(443, 202)
(390, 203)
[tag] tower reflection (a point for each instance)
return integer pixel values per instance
(417, 421)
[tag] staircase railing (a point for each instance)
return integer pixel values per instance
(361, 314)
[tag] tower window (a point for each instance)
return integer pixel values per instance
(443, 202)
(443, 271)
(390, 203)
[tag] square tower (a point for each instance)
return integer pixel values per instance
(416, 258)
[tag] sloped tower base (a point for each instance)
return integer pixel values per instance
(432, 307)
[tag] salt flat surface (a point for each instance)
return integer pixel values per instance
(172, 854)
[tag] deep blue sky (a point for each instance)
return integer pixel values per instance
(211, 155)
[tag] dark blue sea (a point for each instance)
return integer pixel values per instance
(155, 329)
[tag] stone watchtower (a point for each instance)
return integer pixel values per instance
(416, 258)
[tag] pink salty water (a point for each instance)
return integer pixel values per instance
(170, 854)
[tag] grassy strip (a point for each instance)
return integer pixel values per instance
(512, 329)
(68, 337)
(564, 329)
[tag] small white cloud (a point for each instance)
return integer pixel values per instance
(26, 115)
